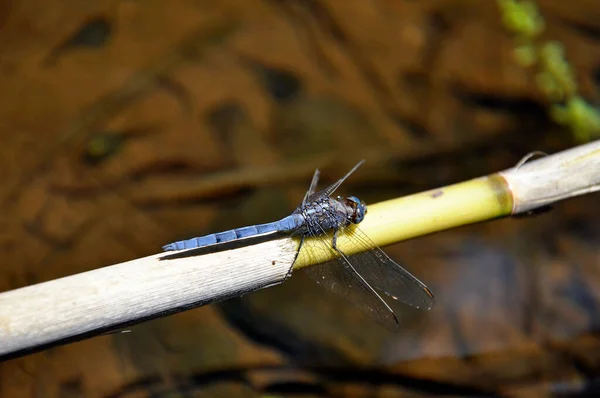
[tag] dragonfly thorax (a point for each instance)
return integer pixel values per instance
(333, 213)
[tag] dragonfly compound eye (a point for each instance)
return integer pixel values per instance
(359, 207)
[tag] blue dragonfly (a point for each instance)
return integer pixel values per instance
(360, 277)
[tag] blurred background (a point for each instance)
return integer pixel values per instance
(127, 124)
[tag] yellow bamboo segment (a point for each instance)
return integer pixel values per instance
(423, 213)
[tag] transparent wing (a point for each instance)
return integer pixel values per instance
(384, 274)
(357, 277)
(334, 277)
(339, 277)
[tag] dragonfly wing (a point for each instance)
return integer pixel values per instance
(332, 188)
(340, 277)
(313, 186)
(387, 276)
(334, 277)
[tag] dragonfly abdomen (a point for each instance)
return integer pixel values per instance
(287, 224)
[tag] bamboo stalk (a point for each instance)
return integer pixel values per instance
(109, 298)
(91, 303)
(528, 186)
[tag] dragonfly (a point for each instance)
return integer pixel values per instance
(363, 278)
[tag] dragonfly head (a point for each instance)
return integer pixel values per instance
(359, 209)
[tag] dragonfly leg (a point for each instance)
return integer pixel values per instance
(299, 248)
(334, 241)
